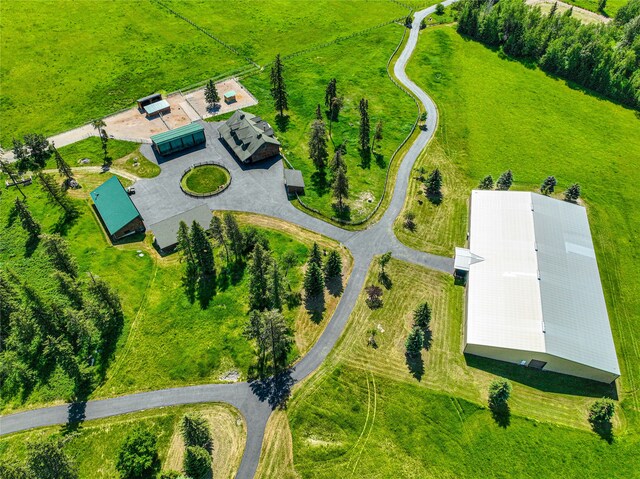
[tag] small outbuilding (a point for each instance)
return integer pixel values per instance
(117, 212)
(157, 108)
(249, 137)
(293, 182)
(178, 139)
(165, 232)
(230, 96)
(148, 100)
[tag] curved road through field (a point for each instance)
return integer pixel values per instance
(257, 400)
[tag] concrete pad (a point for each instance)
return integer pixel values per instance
(244, 99)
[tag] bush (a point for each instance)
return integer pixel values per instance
(573, 193)
(195, 431)
(172, 475)
(409, 221)
(602, 411)
(439, 9)
(374, 296)
(499, 392)
(138, 454)
(197, 462)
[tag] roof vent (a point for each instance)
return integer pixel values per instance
(259, 135)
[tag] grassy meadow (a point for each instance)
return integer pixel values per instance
(365, 413)
(609, 11)
(167, 339)
(94, 444)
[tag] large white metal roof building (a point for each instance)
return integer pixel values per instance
(534, 295)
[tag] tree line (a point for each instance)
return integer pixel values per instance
(600, 57)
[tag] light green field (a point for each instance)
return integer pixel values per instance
(307, 76)
(205, 179)
(94, 444)
(610, 10)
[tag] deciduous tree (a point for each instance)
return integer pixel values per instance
(138, 454)
(46, 459)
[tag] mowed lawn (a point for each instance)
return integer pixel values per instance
(66, 62)
(167, 340)
(260, 30)
(94, 444)
(497, 114)
(307, 77)
(365, 414)
(610, 10)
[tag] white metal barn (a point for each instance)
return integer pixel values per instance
(533, 290)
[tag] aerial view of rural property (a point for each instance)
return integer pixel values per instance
(300, 239)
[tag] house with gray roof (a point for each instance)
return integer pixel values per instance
(165, 232)
(249, 137)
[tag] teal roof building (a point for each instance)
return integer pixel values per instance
(178, 139)
(119, 215)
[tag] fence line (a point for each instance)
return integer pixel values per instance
(393, 156)
(212, 193)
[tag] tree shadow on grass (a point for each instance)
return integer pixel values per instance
(315, 307)
(434, 198)
(380, 161)
(428, 338)
(415, 365)
(385, 280)
(604, 429)
(501, 414)
(66, 221)
(31, 245)
(342, 212)
(365, 156)
(206, 291)
(276, 390)
(334, 286)
(282, 122)
(319, 182)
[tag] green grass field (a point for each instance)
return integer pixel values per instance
(94, 445)
(610, 10)
(167, 340)
(307, 76)
(365, 414)
(205, 179)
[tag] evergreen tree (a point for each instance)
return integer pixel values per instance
(433, 184)
(278, 87)
(202, 250)
(486, 183)
(258, 279)
(107, 298)
(315, 255)
(57, 250)
(505, 181)
(573, 193)
(422, 315)
(211, 94)
(602, 411)
(31, 226)
(318, 145)
(554, 9)
(548, 185)
(289, 260)
(364, 125)
(318, 112)
(46, 459)
(330, 92)
(602, 4)
(197, 462)
(63, 167)
(55, 194)
(99, 125)
(278, 337)
(255, 329)
(333, 265)
(499, 392)
(138, 454)
(383, 261)
(377, 136)
(234, 235)
(313, 281)
(218, 234)
(34, 154)
(334, 110)
(340, 186)
(414, 342)
(188, 255)
(276, 289)
(196, 431)
(337, 162)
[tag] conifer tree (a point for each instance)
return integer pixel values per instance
(318, 145)
(330, 92)
(505, 181)
(573, 193)
(202, 250)
(218, 234)
(278, 337)
(278, 87)
(340, 186)
(377, 136)
(313, 281)
(234, 235)
(55, 194)
(211, 94)
(255, 329)
(337, 161)
(422, 315)
(486, 183)
(548, 185)
(333, 266)
(433, 183)
(258, 279)
(196, 431)
(31, 226)
(318, 112)
(57, 250)
(334, 110)
(276, 289)
(63, 167)
(184, 246)
(364, 125)
(315, 255)
(414, 342)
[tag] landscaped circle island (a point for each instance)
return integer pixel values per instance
(205, 179)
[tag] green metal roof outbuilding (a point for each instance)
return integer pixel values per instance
(179, 139)
(115, 207)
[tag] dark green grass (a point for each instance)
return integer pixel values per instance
(205, 179)
(65, 63)
(307, 76)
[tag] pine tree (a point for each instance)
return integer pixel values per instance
(313, 281)
(377, 136)
(31, 226)
(258, 279)
(278, 337)
(196, 431)
(63, 168)
(36, 149)
(188, 255)
(99, 125)
(57, 250)
(234, 235)
(278, 87)
(414, 342)
(202, 250)
(334, 110)
(211, 94)
(318, 112)
(433, 183)
(554, 9)
(276, 289)
(255, 329)
(318, 145)
(486, 183)
(364, 125)
(55, 194)
(573, 193)
(218, 234)
(422, 315)
(197, 462)
(548, 185)
(315, 256)
(340, 186)
(337, 161)
(505, 181)
(330, 92)
(333, 266)
(383, 261)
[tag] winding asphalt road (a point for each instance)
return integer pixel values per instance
(257, 400)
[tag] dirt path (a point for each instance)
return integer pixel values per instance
(98, 169)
